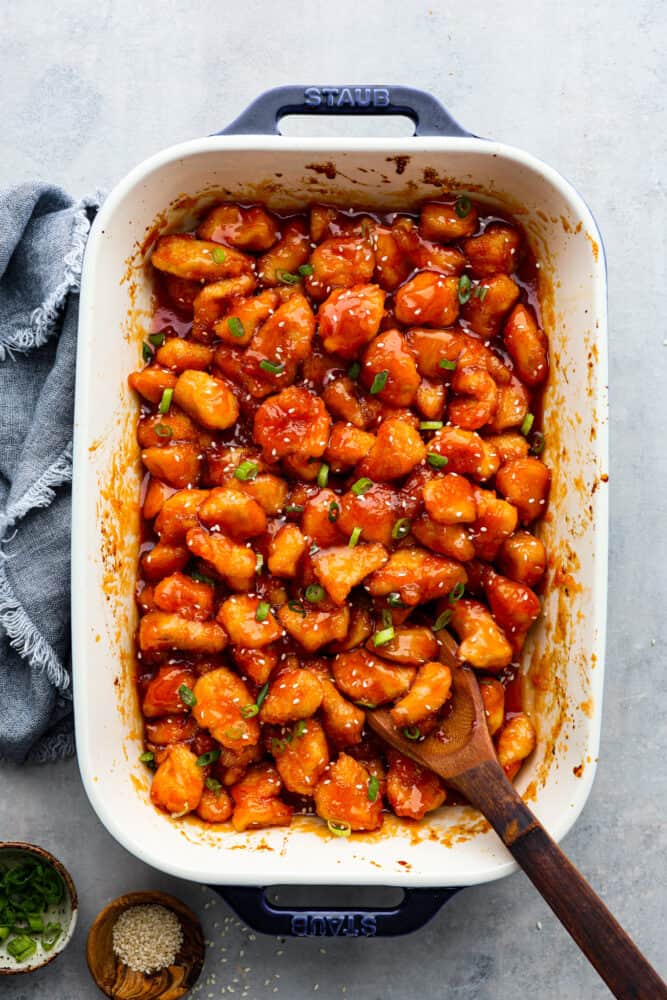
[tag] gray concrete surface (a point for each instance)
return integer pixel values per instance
(86, 91)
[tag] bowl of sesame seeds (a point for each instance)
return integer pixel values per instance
(145, 945)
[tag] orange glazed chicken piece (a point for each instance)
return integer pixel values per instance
(412, 791)
(220, 697)
(343, 797)
(178, 783)
(350, 318)
(256, 802)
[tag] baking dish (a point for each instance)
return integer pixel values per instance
(564, 658)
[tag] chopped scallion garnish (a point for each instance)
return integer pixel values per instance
(210, 757)
(146, 351)
(300, 729)
(147, 757)
(401, 528)
(361, 486)
(339, 829)
(527, 424)
(384, 636)
(481, 292)
(334, 511)
(412, 733)
(248, 711)
(431, 425)
(457, 592)
(165, 402)
(305, 270)
(443, 620)
(354, 537)
(449, 366)
(323, 475)
(394, 600)
(297, 608)
(218, 255)
(263, 691)
(462, 206)
(465, 288)
(294, 508)
(436, 461)
(213, 785)
(379, 382)
(272, 367)
(187, 696)
(354, 370)
(287, 277)
(163, 430)
(246, 471)
(157, 339)
(373, 788)
(537, 443)
(314, 593)
(262, 612)
(235, 327)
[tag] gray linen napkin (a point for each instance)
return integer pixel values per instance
(42, 238)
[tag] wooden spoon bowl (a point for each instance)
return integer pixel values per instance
(119, 981)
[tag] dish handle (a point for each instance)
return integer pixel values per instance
(251, 904)
(262, 117)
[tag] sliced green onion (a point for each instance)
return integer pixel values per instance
(394, 600)
(248, 711)
(235, 732)
(200, 578)
(384, 636)
(481, 292)
(412, 733)
(157, 339)
(213, 785)
(366, 704)
(431, 425)
(208, 758)
(462, 206)
(401, 528)
(314, 593)
(465, 288)
(259, 562)
(272, 367)
(218, 255)
(537, 443)
(300, 729)
(379, 382)
(35, 923)
(527, 424)
(50, 935)
(187, 696)
(146, 352)
(246, 471)
(297, 608)
(163, 430)
(165, 402)
(314, 547)
(4, 932)
(354, 537)
(147, 757)
(235, 327)
(339, 829)
(361, 486)
(262, 612)
(334, 511)
(287, 277)
(449, 366)
(443, 620)
(323, 475)
(387, 620)
(305, 270)
(22, 947)
(373, 788)
(354, 370)
(457, 592)
(436, 461)
(294, 508)
(263, 691)
(277, 746)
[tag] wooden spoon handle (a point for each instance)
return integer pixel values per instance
(601, 938)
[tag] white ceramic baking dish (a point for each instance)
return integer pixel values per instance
(563, 662)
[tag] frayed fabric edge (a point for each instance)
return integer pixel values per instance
(27, 640)
(44, 318)
(42, 491)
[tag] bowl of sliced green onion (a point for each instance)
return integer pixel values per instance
(38, 907)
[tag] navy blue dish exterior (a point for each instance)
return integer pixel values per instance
(262, 117)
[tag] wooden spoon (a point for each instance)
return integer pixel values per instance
(461, 752)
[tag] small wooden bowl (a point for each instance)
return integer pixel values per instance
(117, 980)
